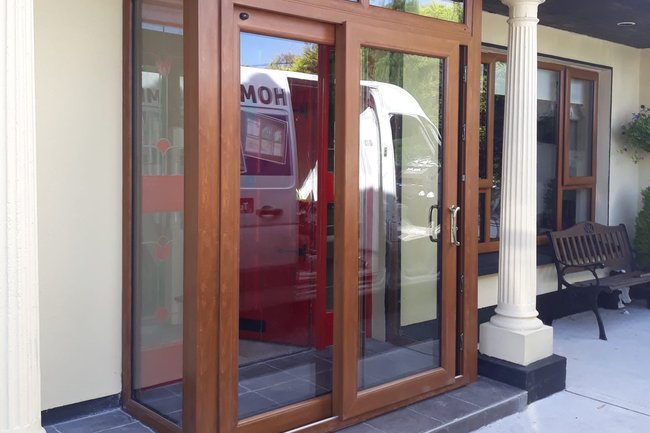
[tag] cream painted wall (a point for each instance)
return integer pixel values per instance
(78, 116)
(644, 98)
(627, 78)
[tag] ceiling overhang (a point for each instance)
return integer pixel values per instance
(596, 18)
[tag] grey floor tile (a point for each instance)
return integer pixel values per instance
(445, 408)
(167, 405)
(154, 393)
(292, 392)
(251, 403)
(260, 376)
(135, 427)
(95, 423)
(323, 379)
(176, 388)
(305, 365)
(485, 392)
(176, 417)
(404, 421)
(506, 408)
(361, 428)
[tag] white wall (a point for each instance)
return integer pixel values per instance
(78, 116)
(624, 175)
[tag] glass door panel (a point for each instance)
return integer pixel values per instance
(400, 174)
(285, 333)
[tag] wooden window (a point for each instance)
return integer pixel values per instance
(566, 151)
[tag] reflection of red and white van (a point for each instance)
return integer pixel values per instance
(272, 256)
(279, 144)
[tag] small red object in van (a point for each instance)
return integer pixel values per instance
(246, 205)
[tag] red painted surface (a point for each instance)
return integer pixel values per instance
(162, 194)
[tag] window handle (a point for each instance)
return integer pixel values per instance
(454, 224)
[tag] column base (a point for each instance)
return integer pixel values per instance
(540, 379)
(516, 346)
(33, 428)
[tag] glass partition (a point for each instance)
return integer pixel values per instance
(158, 166)
(400, 174)
(286, 222)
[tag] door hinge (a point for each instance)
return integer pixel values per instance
(465, 74)
(461, 341)
(463, 133)
(461, 284)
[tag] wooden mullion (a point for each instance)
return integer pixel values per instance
(346, 221)
(204, 234)
(468, 266)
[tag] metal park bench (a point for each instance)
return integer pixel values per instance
(589, 246)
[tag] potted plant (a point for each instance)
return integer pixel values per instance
(642, 232)
(637, 134)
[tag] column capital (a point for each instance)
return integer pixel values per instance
(523, 9)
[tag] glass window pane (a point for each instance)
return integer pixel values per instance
(499, 112)
(495, 211)
(547, 148)
(400, 197)
(576, 207)
(483, 125)
(286, 225)
(581, 127)
(448, 10)
(158, 211)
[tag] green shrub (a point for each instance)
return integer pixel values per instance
(637, 134)
(642, 235)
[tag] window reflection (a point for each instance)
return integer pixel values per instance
(576, 207)
(483, 128)
(547, 148)
(286, 222)
(581, 128)
(448, 10)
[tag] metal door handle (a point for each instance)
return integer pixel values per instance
(454, 224)
(431, 227)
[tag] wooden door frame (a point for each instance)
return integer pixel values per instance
(211, 241)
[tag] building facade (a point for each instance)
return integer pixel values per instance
(390, 156)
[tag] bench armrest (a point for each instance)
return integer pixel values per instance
(591, 268)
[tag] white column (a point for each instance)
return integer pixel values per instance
(20, 383)
(515, 333)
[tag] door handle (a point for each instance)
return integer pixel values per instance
(454, 224)
(431, 227)
(268, 212)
